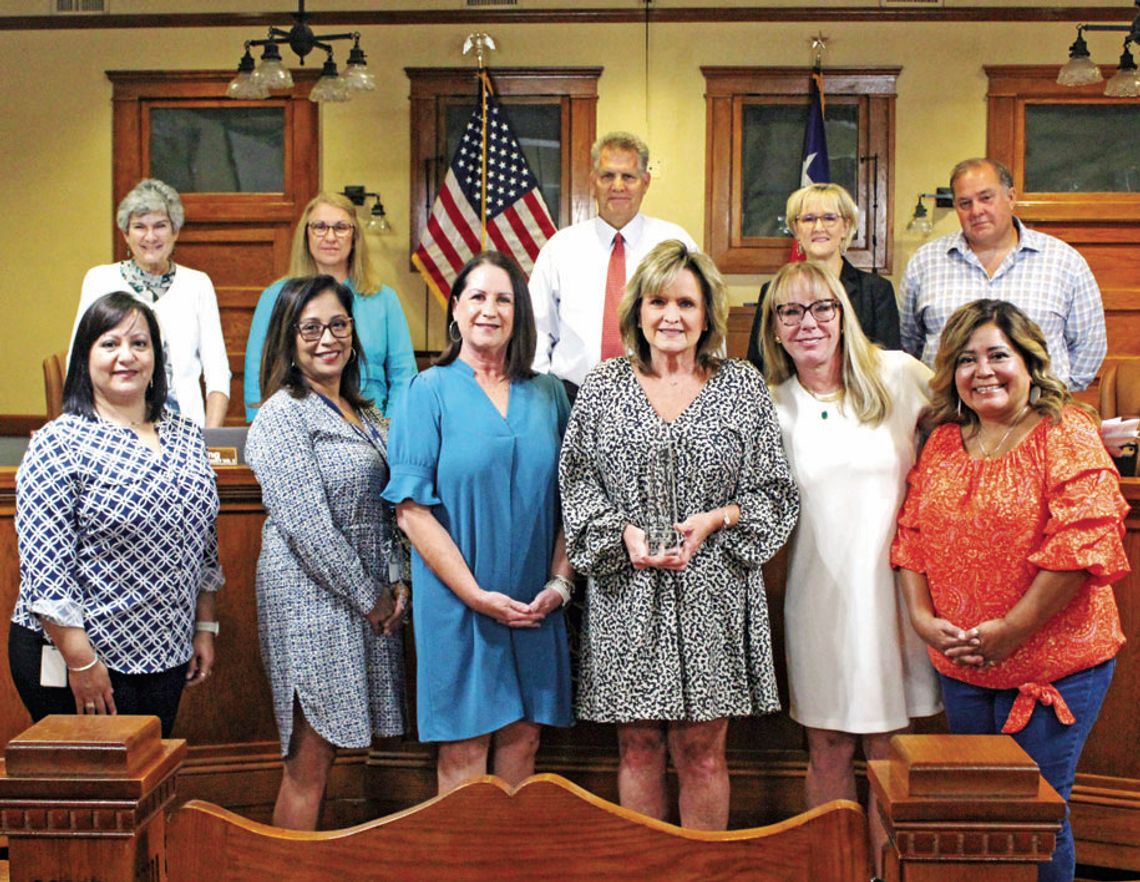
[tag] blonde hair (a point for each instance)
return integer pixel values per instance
(1024, 336)
(848, 210)
(301, 261)
(862, 384)
(660, 267)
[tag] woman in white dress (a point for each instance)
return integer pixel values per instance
(847, 411)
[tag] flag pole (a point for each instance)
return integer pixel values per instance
(484, 88)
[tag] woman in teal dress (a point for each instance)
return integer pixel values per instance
(474, 475)
(329, 241)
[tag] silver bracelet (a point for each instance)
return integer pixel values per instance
(562, 586)
(85, 667)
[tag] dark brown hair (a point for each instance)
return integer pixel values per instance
(100, 317)
(278, 362)
(520, 348)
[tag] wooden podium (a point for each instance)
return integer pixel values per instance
(964, 807)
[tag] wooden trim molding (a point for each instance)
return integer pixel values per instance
(727, 91)
(20, 425)
(574, 15)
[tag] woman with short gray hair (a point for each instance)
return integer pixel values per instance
(150, 217)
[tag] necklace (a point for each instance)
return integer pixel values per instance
(997, 449)
(828, 397)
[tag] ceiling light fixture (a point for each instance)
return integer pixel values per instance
(254, 82)
(1081, 70)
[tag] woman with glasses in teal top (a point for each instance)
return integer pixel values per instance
(330, 241)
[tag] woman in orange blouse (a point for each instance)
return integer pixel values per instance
(1008, 544)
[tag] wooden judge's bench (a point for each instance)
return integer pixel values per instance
(233, 758)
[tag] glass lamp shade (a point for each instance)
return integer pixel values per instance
(1124, 83)
(274, 75)
(378, 223)
(1079, 72)
(246, 87)
(359, 78)
(920, 223)
(330, 87)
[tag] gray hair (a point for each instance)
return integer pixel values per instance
(151, 195)
(621, 141)
(1004, 175)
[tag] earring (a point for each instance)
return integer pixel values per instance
(453, 332)
(959, 407)
(351, 354)
(1034, 394)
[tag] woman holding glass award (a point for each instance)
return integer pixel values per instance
(674, 491)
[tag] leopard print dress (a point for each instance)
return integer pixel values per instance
(693, 644)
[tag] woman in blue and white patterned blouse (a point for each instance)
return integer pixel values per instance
(115, 521)
(330, 600)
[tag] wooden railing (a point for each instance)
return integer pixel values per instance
(87, 798)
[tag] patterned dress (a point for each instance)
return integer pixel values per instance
(693, 644)
(117, 539)
(328, 552)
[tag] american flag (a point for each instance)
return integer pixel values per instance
(517, 220)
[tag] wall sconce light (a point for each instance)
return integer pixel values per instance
(1081, 70)
(920, 222)
(377, 220)
(254, 82)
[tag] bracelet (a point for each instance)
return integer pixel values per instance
(562, 586)
(727, 519)
(212, 627)
(85, 667)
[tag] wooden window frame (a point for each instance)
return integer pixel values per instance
(727, 91)
(576, 89)
(1011, 89)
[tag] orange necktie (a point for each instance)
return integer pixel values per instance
(615, 288)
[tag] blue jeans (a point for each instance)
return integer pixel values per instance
(1055, 747)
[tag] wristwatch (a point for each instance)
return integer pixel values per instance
(212, 627)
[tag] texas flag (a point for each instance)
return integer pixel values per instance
(813, 167)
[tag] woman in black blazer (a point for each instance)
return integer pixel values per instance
(823, 219)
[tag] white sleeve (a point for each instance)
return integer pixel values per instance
(544, 295)
(211, 343)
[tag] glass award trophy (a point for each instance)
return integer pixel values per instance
(661, 501)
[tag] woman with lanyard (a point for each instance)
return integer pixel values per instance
(330, 594)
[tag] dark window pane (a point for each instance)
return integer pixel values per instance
(1082, 148)
(772, 146)
(538, 128)
(219, 149)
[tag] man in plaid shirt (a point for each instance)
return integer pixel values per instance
(996, 256)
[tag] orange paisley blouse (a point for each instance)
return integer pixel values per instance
(980, 529)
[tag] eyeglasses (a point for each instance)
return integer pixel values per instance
(312, 331)
(828, 220)
(320, 229)
(791, 314)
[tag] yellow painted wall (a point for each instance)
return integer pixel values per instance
(55, 148)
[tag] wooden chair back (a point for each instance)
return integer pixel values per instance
(55, 371)
(545, 829)
(1120, 389)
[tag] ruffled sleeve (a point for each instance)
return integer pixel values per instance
(766, 493)
(594, 525)
(1085, 530)
(414, 444)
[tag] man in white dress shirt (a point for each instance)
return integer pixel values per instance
(582, 270)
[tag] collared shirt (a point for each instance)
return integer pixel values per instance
(117, 539)
(568, 288)
(1043, 276)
